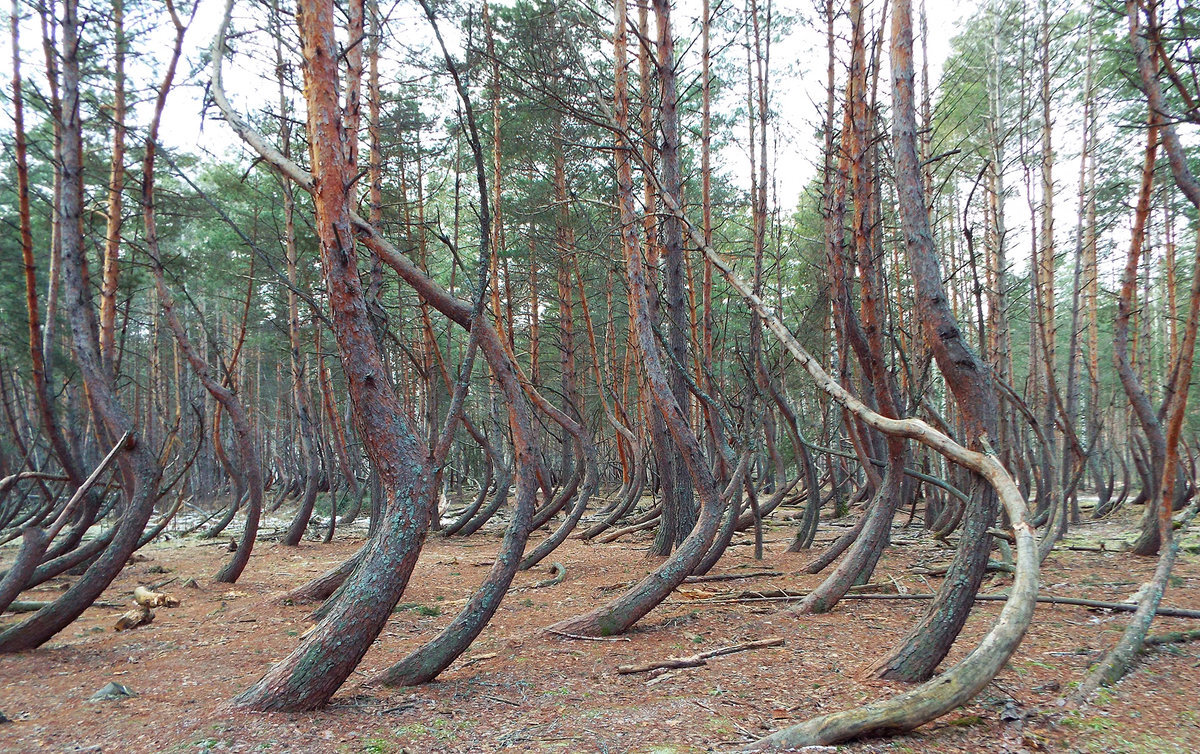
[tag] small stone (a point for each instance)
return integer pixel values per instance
(111, 690)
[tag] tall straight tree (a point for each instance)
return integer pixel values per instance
(679, 509)
(309, 456)
(116, 191)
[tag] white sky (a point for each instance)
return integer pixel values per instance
(798, 81)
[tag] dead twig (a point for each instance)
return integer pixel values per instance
(696, 660)
(479, 658)
(566, 635)
(161, 584)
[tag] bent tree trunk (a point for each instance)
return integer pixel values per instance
(864, 554)
(310, 675)
(139, 467)
(968, 377)
(324, 585)
(1119, 659)
(427, 662)
(247, 472)
(627, 609)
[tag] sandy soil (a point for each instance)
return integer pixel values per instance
(518, 689)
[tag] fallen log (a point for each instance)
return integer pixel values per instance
(139, 616)
(696, 660)
(612, 536)
(148, 599)
(32, 606)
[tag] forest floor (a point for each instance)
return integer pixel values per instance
(520, 689)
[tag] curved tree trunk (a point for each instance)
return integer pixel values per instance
(139, 466)
(627, 609)
(309, 676)
(864, 554)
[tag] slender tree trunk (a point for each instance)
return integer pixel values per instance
(679, 509)
(1124, 353)
(308, 440)
(1160, 507)
(37, 353)
(116, 190)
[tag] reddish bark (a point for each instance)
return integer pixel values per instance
(310, 675)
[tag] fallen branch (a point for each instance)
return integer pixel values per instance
(782, 595)
(755, 595)
(731, 576)
(478, 658)
(566, 635)
(942, 568)
(1173, 637)
(696, 660)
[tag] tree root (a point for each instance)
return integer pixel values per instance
(558, 572)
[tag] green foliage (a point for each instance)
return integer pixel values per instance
(429, 611)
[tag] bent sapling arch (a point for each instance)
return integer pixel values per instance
(961, 682)
(943, 693)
